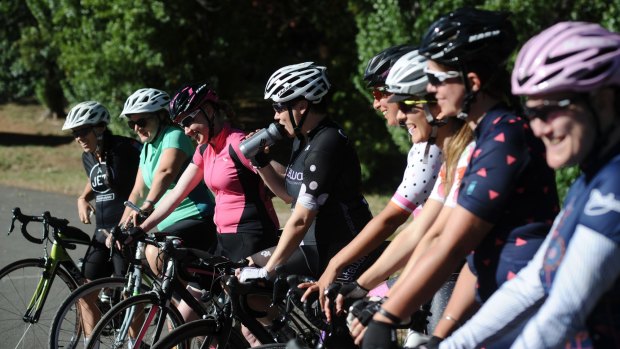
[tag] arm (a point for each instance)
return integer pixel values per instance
(137, 194)
(170, 164)
(462, 234)
(83, 203)
(273, 176)
(461, 305)
(399, 251)
(373, 234)
(294, 231)
(589, 269)
(188, 181)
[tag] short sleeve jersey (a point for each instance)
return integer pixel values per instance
(324, 175)
(122, 166)
(507, 183)
(242, 203)
(593, 202)
(199, 203)
(439, 190)
(419, 177)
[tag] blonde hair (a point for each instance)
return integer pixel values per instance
(455, 147)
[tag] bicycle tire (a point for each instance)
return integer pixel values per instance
(66, 330)
(191, 336)
(106, 331)
(18, 281)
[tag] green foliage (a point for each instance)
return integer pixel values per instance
(68, 51)
(564, 178)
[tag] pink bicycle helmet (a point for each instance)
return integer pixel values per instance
(568, 56)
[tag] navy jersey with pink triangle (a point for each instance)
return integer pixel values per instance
(507, 183)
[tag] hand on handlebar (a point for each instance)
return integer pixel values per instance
(249, 273)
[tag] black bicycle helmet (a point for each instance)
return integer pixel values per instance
(379, 66)
(469, 35)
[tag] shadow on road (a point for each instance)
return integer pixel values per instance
(19, 139)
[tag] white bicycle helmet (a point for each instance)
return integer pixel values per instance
(305, 80)
(146, 100)
(407, 75)
(86, 113)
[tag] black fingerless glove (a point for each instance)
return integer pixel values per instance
(132, 234)
(380, 335)
(260, 160)
(433, 343)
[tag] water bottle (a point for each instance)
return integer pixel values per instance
(261, 139)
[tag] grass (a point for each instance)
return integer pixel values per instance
(27, 160)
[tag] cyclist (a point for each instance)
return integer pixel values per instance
(408, 81)
(507, 196)
(244, 215)
(322, 180)
(567, 296)
(110, 163)
(423, 163)
(375, 74)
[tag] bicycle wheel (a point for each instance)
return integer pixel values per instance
(139, 313)
(18, 282)
(95, 299)
(202, 334)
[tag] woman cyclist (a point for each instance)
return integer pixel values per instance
(423, 163)
(567, 296)
(110, 163)
(244, 215)
(507, 197)
(322, 180)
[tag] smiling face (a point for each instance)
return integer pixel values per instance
(568, 131)
(145, 125)
(197, 126)
(449, 93)
(86, 138)
(414, 119)
(380, 103)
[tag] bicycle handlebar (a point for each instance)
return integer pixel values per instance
(46, 219)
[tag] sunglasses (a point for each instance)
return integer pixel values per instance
(140, 123)
(437, 78)
(546, 108)
(410, 104)
(280, 107)
(380, 92)
(189, 119)
(81, 132)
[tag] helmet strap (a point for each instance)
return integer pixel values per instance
(470, 96)
(431, 141)
(297, 127)
(431, 119)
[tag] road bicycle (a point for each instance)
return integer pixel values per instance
(154, 312)
(31, 289)
(93, 299)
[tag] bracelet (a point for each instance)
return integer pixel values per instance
(395, 319)
(450, 318)
(150, 202)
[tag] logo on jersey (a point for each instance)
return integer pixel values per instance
(294, 175)
(98, 178)
(599, 204)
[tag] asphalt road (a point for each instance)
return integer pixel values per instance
(15, 247)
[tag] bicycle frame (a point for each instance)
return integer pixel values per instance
(58, 257)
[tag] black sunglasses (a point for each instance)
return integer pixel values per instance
(140, 123)
(189, 119)
(81, 132)
(280, 107)
(546, 108)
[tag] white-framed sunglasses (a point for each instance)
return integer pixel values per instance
(436, 78)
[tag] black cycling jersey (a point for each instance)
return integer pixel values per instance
(110, 193)
(111, 180)
(324, 175)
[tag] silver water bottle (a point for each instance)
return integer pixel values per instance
(261, 139)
